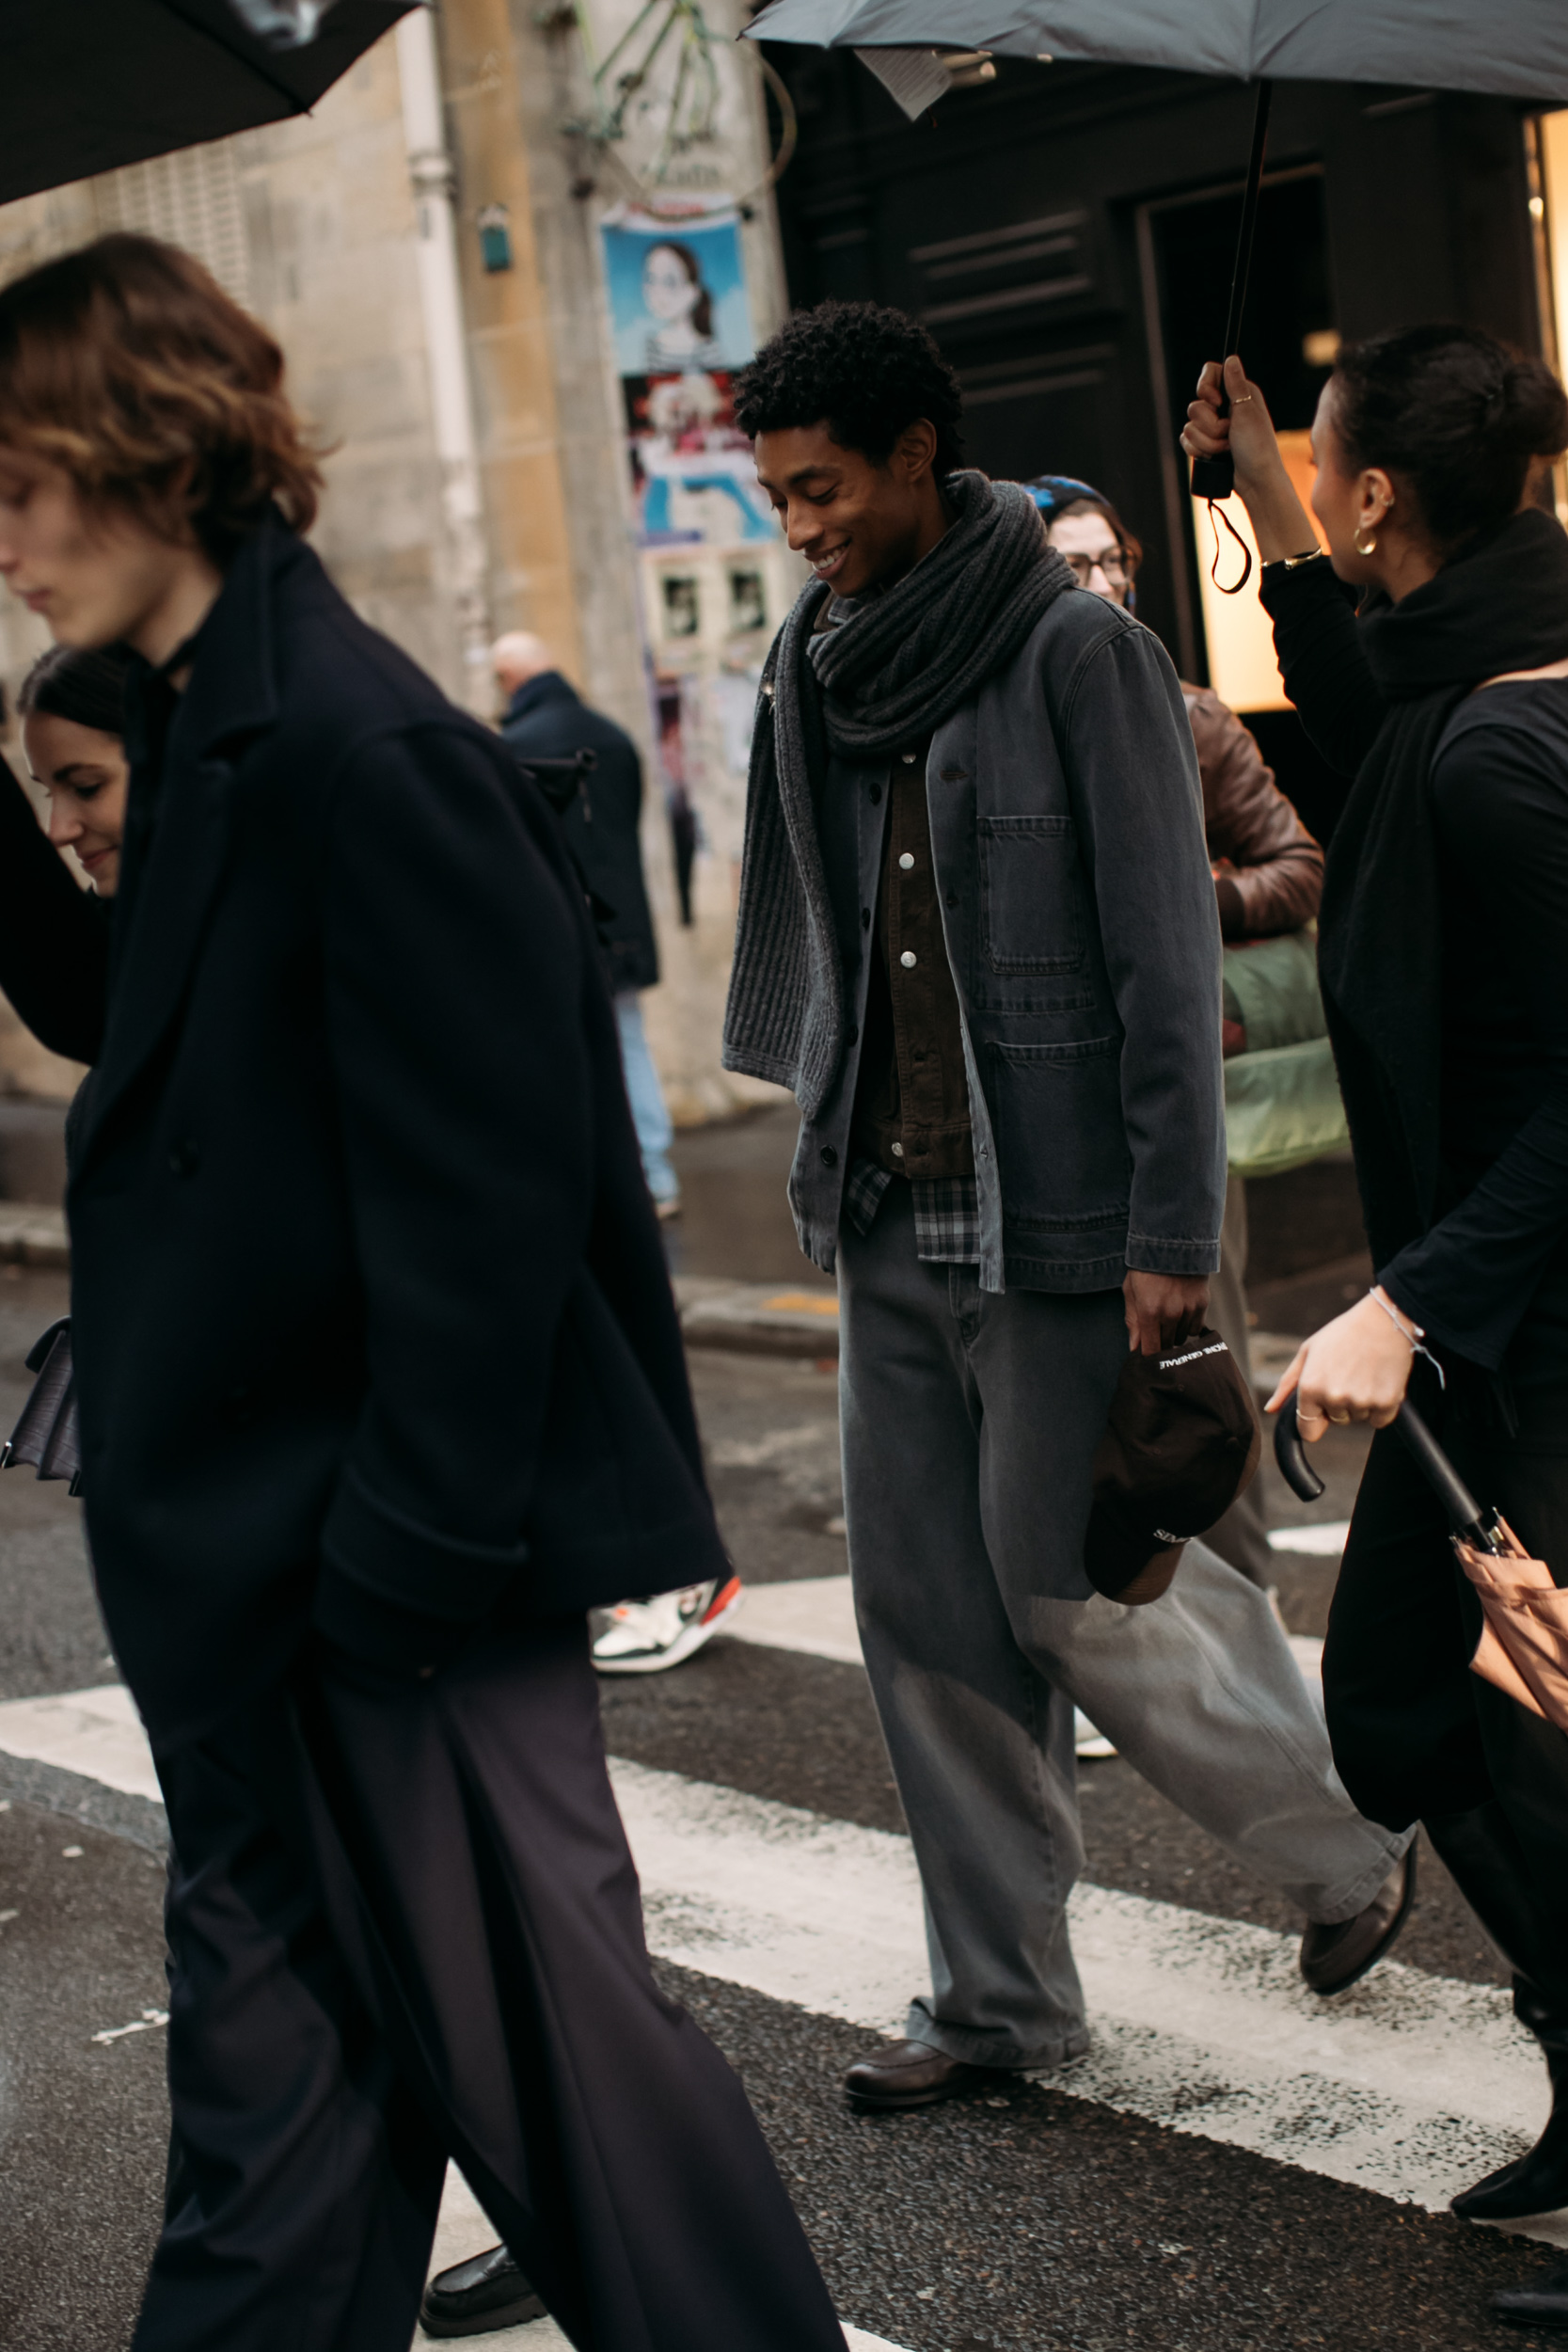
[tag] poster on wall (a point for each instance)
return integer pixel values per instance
(715, 582)
(692, 471)
(677, 293)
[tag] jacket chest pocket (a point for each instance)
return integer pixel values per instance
(1031, 901)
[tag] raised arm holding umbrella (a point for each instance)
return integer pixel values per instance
(1444, 930)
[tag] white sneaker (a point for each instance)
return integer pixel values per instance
(645, 1637)
(1087, 1739)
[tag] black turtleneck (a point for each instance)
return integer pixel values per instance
(1489, 1277)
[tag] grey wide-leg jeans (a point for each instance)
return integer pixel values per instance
(969, 1421)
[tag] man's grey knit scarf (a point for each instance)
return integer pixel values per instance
(897, 665)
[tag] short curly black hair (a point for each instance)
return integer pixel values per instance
(864, 371)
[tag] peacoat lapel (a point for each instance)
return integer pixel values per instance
(232, 695)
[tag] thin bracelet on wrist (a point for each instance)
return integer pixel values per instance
(1413, 1337)
(1292, 563)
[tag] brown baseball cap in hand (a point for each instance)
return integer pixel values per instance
(1182, 1442)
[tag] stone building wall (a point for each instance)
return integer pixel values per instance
(314, 225)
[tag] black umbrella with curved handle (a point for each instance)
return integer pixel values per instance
(1471, 1525)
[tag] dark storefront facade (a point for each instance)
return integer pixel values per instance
(1067, 234)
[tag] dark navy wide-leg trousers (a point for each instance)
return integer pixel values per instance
(403, 1925)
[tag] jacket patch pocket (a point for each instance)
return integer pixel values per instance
(1031, 901)
(1061, 1137)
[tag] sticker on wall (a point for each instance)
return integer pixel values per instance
(683, 605)
(715, 576)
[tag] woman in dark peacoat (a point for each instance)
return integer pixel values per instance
(381, 1386)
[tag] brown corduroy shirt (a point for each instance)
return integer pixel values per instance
(911, 1103)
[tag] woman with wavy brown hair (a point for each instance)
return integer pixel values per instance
(380, 1388)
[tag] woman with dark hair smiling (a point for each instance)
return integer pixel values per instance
(71, 706)
(1444, 941)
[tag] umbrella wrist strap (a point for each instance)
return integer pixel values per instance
(1412, 1333)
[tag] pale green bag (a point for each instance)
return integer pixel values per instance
(1282, 1103)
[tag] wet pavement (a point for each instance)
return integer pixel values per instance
(1027, 2217)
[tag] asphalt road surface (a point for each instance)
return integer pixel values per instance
(1225, 2171)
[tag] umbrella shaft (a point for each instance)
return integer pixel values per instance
(1250, 223)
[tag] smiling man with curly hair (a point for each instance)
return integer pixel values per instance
(977, 939)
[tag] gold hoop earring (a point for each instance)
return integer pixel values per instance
(1371, 548)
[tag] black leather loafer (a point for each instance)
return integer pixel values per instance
(1543, 2305)
(1334, 1958)
(1535, 2184)
(474, 2298)
(913, 2074)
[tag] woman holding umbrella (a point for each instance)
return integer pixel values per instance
(1442, 701)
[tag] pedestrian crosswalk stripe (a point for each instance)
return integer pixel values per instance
(815, 1614)
(1325, 1541)
(96, 1733)
(1409, 2085)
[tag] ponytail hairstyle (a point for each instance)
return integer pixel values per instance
(1455, 415)
(86, 686)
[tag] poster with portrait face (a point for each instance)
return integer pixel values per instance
(677, 293)
(712, 592)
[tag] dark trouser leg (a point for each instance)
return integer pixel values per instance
(1526, 1825)
(303, 2182)
(1241, 1537)
(1398, 1696)
(1415, 1731)
(980, 1742)
(479, 1883)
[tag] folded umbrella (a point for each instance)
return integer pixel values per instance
(1523, 1647)
(90, 85)
(1523, 1641)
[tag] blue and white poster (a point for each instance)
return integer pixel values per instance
(677, 294)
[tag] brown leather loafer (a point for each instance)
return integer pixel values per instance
(1333, 1959)
(913, 2074)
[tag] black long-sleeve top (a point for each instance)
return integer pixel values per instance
(1489, 1279)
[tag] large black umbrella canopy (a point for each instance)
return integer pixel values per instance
(1501, 48)
(88, 84)
(1509, 48)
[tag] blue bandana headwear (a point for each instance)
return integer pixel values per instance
(1052, 492)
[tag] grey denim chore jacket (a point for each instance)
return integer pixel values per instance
(1067, 829)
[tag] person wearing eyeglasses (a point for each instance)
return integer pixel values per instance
(1268, 869)
(1268, 878)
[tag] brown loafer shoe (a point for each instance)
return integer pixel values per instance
(913, 2074)
(1333, 1959)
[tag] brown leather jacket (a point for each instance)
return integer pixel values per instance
(1278, 875)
